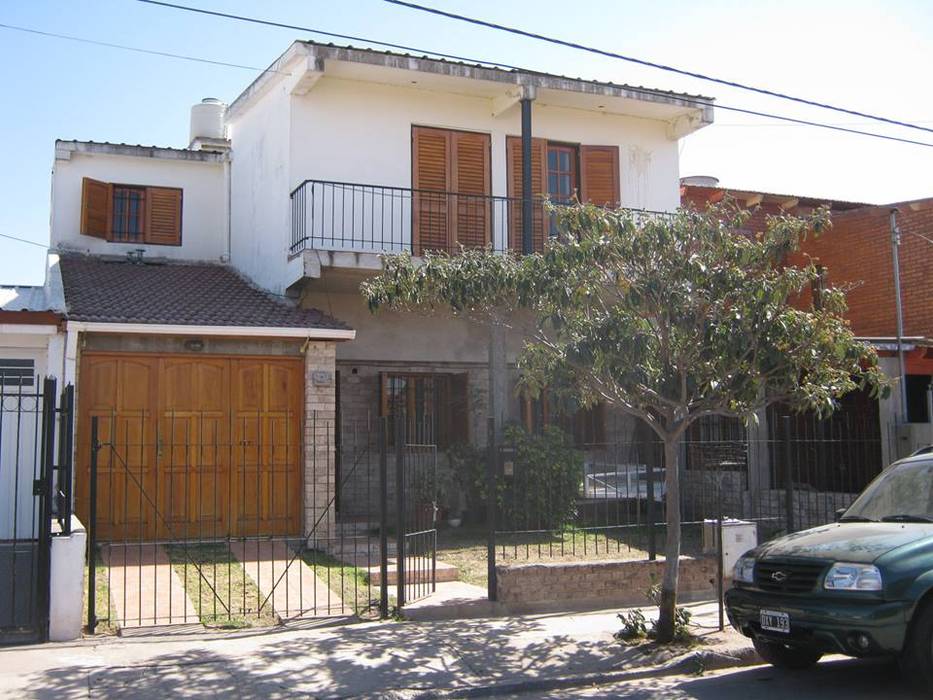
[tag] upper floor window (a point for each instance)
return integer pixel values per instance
(128, 213)
(131, 213)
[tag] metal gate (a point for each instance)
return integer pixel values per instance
(161, 556)
(33, 490)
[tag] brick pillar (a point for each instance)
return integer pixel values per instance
(320, 422)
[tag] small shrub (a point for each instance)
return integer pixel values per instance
(635, 626)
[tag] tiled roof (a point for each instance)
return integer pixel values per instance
(109, 290)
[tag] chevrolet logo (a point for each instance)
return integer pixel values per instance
(779, 577)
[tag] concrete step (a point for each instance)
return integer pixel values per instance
(453, 600)
(444, 573)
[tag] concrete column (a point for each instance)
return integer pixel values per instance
(759, 461)
(498, 379)
(319, 445)
(66, 585)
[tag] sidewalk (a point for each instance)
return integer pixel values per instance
(339, 661)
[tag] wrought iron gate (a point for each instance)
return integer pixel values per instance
(33, 490)
(166, 549)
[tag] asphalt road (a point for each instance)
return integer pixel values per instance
(843, 679)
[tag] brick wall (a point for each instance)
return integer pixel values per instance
(856, 253)
(557, 585)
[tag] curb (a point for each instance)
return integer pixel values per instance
(690, 663)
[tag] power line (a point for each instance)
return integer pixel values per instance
(135, 49)
(24, 240)
(652, 64)
(495, 64)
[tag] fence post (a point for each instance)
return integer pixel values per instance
(400, 504)
(44, 490)
(92, 534)
(492, 592)
(649, 510)
(788, 476)
(719, 554)
(383, 518)
(66, 458)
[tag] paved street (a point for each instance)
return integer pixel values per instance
(836, 679)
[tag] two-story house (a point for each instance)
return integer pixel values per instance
(212, 292)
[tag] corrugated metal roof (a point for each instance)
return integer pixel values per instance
(26, 298)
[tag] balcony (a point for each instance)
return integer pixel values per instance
(343, 225)
(358, 218)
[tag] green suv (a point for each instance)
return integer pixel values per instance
(862, 586)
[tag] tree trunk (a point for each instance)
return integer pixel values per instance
(668, 603)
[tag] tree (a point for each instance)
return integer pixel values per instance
(669, 318)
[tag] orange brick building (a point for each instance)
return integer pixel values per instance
(856, 254)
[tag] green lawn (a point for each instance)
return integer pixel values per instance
(222, 592)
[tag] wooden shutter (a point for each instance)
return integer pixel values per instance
(431, 179)
(96, 208)
(470, 176)
(163, 216)
(513, 145)
(459, 407)
(599, 175)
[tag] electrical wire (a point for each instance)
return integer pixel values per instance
(23, 240)
(653, 64)
(135, 49)
(696, 101)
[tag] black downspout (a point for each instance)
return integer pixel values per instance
(527, 204)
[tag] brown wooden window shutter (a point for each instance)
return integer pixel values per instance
(470, 174)
(430, 179)
(459, 403)
(513, 145)
(163, 215)
(451, 178)
(599, 175)
(96, 208)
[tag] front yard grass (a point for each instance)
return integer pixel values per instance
(465, 547)
(349, 582)
(103, 605)
(222, 592)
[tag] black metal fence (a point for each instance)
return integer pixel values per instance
(236, 525)
(612, 501)
(34, 489)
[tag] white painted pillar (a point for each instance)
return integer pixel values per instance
(66, 585)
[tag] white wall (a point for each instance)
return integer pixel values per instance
(203, 230)
(260, 187)
(361, 132)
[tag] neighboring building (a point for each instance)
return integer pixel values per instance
(222, 280)
(856, 254)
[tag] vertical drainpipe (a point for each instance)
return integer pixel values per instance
(895, 244)
(528, 95)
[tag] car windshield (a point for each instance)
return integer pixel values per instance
(902, 493)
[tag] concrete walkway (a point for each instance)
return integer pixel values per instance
(286, 581)
(145, 590)
(395, 659)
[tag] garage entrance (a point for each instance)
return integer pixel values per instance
(200, 447)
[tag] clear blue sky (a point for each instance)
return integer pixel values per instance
(872, 56)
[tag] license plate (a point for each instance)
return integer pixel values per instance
(775, 621)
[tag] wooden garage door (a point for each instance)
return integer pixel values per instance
(195, 447)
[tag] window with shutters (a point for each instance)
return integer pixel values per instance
(585, 425)
(432, 406)
(451, 178)
(131, 213)
(128, 213)
(17, 373)
(561, 172)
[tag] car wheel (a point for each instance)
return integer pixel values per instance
(917, 657)
(795, 658)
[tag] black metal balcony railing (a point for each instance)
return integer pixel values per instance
(343, 216)
(353, 217)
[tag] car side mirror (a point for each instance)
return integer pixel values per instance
(837, 516)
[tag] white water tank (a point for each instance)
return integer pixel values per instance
(207, 120)
(700, 181)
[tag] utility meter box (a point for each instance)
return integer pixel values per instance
(738, 536)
